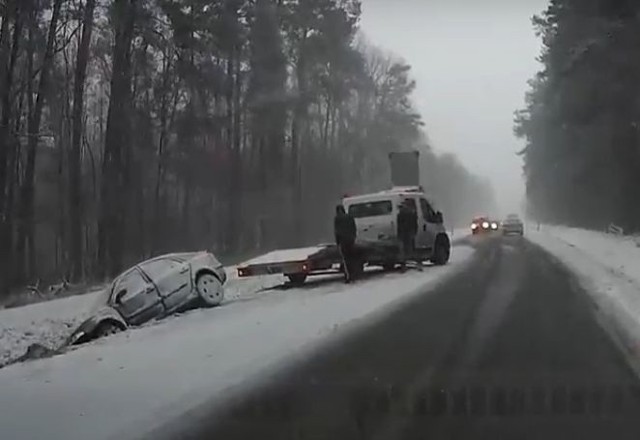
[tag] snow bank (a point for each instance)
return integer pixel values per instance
(46, 323)
(608, 267)
(131, 382)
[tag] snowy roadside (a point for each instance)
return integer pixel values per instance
(47, 323)
(608, 267)
(50, 323)
(132, 382)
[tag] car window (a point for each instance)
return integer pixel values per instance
(157, 268)
(371, 209)
(427, 211)
(131, 281)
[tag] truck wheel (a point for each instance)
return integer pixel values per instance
(389, 267)
(297, 279)
(442, 251)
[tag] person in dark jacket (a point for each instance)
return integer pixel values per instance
(407, 228)
(344, 226)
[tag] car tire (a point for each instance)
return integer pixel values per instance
(441, 252)
(209, 289)
(297, 279)
(106, 328)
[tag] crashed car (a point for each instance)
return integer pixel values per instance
(154, 289)
(481, 225)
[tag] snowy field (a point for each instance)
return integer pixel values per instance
(608, 267)
(131, 382)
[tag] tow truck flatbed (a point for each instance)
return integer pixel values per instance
(296, 264)
(324, 259)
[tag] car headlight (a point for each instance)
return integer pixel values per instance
(494, 226)
(485, 225)
(474, 226)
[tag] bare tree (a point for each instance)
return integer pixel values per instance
(76, 214)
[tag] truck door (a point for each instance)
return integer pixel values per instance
(375, 220)
(426, 221)
(420, 238)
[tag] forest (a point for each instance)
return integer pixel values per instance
(582, 115)
(131, 128)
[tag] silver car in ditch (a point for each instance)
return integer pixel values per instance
(154, 289)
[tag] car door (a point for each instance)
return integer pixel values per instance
(428, 225)
(172, 277)
(135, 298)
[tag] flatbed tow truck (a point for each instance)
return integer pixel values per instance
(376, 242)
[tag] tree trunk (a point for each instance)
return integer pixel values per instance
(237, 180)
(76, 213)
(8, 56)
(298, 130)
(113, 194)
(232, 220)
(26, 222)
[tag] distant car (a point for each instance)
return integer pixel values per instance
(482, 225)
(512, 225)
(153, 289)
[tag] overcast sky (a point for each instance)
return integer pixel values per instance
(471, 60)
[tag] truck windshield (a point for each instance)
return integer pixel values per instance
(371, 209)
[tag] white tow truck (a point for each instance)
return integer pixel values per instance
(377, 244)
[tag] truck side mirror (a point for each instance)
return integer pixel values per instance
(439, 218)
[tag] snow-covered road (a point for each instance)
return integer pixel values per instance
(131, 382)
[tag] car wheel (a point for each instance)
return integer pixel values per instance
(209, 289)
(442, 252)
(107, 328)
(297, 279)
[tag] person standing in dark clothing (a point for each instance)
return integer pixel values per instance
(344, 226)
(407, 228)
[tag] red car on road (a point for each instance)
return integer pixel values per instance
(483, 225)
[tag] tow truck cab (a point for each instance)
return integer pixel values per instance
(375, 216)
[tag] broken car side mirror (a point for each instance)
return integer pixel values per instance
(119, 296)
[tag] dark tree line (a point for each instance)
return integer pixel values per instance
(130, 128)
(581, 122)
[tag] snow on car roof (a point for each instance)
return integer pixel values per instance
(285, 255)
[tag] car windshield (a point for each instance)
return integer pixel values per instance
(371, 209)
(312, 219)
